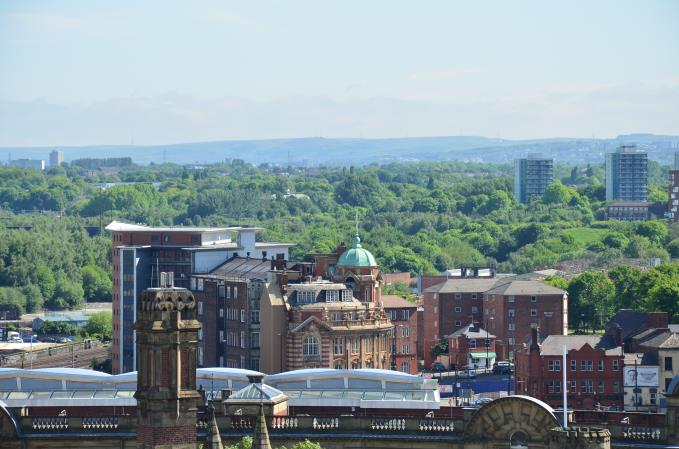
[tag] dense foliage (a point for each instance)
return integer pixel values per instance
(419, 217)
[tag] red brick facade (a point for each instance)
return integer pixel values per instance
(594, 373)
(403, 316)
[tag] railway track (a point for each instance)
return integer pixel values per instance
(81, 358)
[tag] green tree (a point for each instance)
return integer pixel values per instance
(663, 293)
(655, 231)
(557, 193)
(629, 293)
(591, 298)
(673, 248)
(100, 325)
(34, 299)
(68, 294)
(12, 300)
(96, 283)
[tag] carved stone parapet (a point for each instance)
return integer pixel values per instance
(166, 300)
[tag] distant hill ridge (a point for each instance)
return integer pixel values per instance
(355, 151)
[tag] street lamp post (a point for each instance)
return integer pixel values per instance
(487, 344)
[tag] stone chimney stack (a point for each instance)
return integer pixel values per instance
(167, 345)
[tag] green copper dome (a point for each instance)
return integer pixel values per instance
(356, 256)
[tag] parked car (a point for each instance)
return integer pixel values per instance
(503, 368)
(468, 373)
(438, 366)
(483, 401)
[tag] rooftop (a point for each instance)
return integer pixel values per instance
(553, 344)
(395, 301)
(470, 331)
(463, 286)
(520, 287)
(127, 227)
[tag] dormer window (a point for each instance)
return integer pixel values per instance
(332, 295)
(306, 297)
(347, 295)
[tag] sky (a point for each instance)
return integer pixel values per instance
(94, 72)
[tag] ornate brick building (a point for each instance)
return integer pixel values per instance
(404, 334)
(594, 370)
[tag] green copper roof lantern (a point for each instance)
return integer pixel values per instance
(356, 256)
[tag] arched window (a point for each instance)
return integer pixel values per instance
(310, 345)
(518, 440)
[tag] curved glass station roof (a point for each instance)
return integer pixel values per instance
(366, 388)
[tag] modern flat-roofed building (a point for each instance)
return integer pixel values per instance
(532, 175)
(141, 253)
(35, 164)
(673, 203)
(627, 174)
(56, 158)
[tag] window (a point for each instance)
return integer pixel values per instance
(405, 332)
(200, 356)
(221, 291)
(510, 298)
(228, 292)
(338, 345)
(310, 347)
(200, 307)
(356, 345)
(221, 360)
(254, 364)
(554, 365)
(393, 315)
(457, 323)
(533, 298)
(235, 291)
(221, 336)
(242, 315)
(242, 339)
(458, 296)
(586, 386)
(475, 309)
(616, 387)
(458, 309)
(405, 367)
(367, 294)
(339, 364)
(574, 365)
(615, 364)
(200, 334)
(472, 343)
(254, 316)
(586, 365)
(405, 314)
(602, 387)
(336, 316)
(474, 296)
(347, 295)
(511, 327)
(199, 285)
(254, 340)
(332, 295)
(306, 297)
(573, 386)
(654, 396)
(554, 386)
(405, 349)
(511, 313)
(533, 312)
(600, 364)
(242, 362)
(668, 363)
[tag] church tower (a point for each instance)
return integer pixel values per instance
(167, 341)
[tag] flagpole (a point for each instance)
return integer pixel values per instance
(565, 391)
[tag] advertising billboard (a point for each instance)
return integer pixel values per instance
(641, 376)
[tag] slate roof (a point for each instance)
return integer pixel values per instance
(394, 301)
(471, 332)
(629, 321)
(553, 344)
(463, 285)
(672, 342)
(516, 287)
